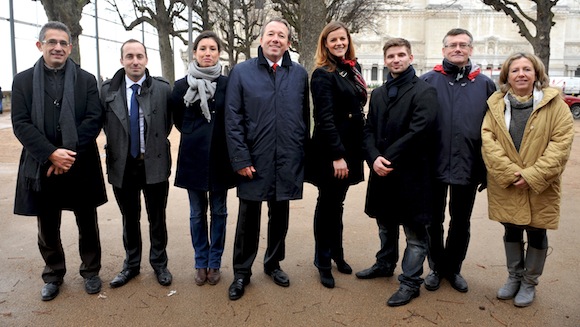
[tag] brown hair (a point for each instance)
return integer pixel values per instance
(323, 56)
(542, 79)
(207, 35)
(397, 42)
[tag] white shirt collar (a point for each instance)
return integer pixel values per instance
(270, 62)
(129, 82)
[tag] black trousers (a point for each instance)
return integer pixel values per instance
(129, 200)
(449, 258)
(328, 227)
(50, 245)
(537, 237)
(248, 236)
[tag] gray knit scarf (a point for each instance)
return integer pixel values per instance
(202, 86)
(66, 120)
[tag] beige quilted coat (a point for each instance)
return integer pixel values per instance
(544, 151)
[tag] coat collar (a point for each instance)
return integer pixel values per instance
(119, 79)
(286, 60)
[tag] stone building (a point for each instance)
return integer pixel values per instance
(425, 22)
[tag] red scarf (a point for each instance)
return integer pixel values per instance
(361, 85)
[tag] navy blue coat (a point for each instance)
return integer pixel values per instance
(203, 163)
(462, 106)
(402, 130)
(267, 124)
(338, 127)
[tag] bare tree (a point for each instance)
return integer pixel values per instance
(68, 12)
(543, 23)
(239, 22)
(165, 19)
(309, 17)
(312, 20)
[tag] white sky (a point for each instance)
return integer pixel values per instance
(111, 36)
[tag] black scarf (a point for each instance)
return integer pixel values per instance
(393, 83)
(66, 119)
(452, 69)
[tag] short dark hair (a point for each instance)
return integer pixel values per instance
(54, 25)
(458, 31)
(133, 41)
(396, 42)
(207, 35)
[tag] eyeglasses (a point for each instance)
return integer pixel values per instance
(462, 46)
(53, 43)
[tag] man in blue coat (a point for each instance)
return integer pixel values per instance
(267, 122)
(462, 92)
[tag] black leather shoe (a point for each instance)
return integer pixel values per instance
(326, 278)
(458, 282)
(49, 291)
(374, 272)
(164, 277)
(402, 296)
(123, 277)
(432, 281)
(93, 284)
(236, 290)
(343, 267)
(279, 277)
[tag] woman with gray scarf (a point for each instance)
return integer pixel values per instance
(203, 165)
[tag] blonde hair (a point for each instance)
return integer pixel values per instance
(323, 57)
(542, 79)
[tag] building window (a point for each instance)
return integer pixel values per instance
(577, 72)
(374, 73)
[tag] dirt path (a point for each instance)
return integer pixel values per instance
(306, 302)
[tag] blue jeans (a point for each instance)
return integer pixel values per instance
(414, 256)
(208, 252)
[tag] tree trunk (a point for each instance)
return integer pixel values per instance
(312, 20)
(164, 27)
(541, 43)
(68, 12)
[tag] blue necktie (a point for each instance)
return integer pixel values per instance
(134, 120)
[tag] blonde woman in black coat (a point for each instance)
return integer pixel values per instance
(339, 94)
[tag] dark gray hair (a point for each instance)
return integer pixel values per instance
(458, 31)
(53, 25)
(279, 20)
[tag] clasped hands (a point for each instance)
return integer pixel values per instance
(62, 160)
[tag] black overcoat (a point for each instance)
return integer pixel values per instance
(401, 129)
(83, 185)
(338, 126)
(203, 162)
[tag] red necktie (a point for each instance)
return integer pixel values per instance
(274, 66)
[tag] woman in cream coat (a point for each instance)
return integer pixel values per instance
(527, 136)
